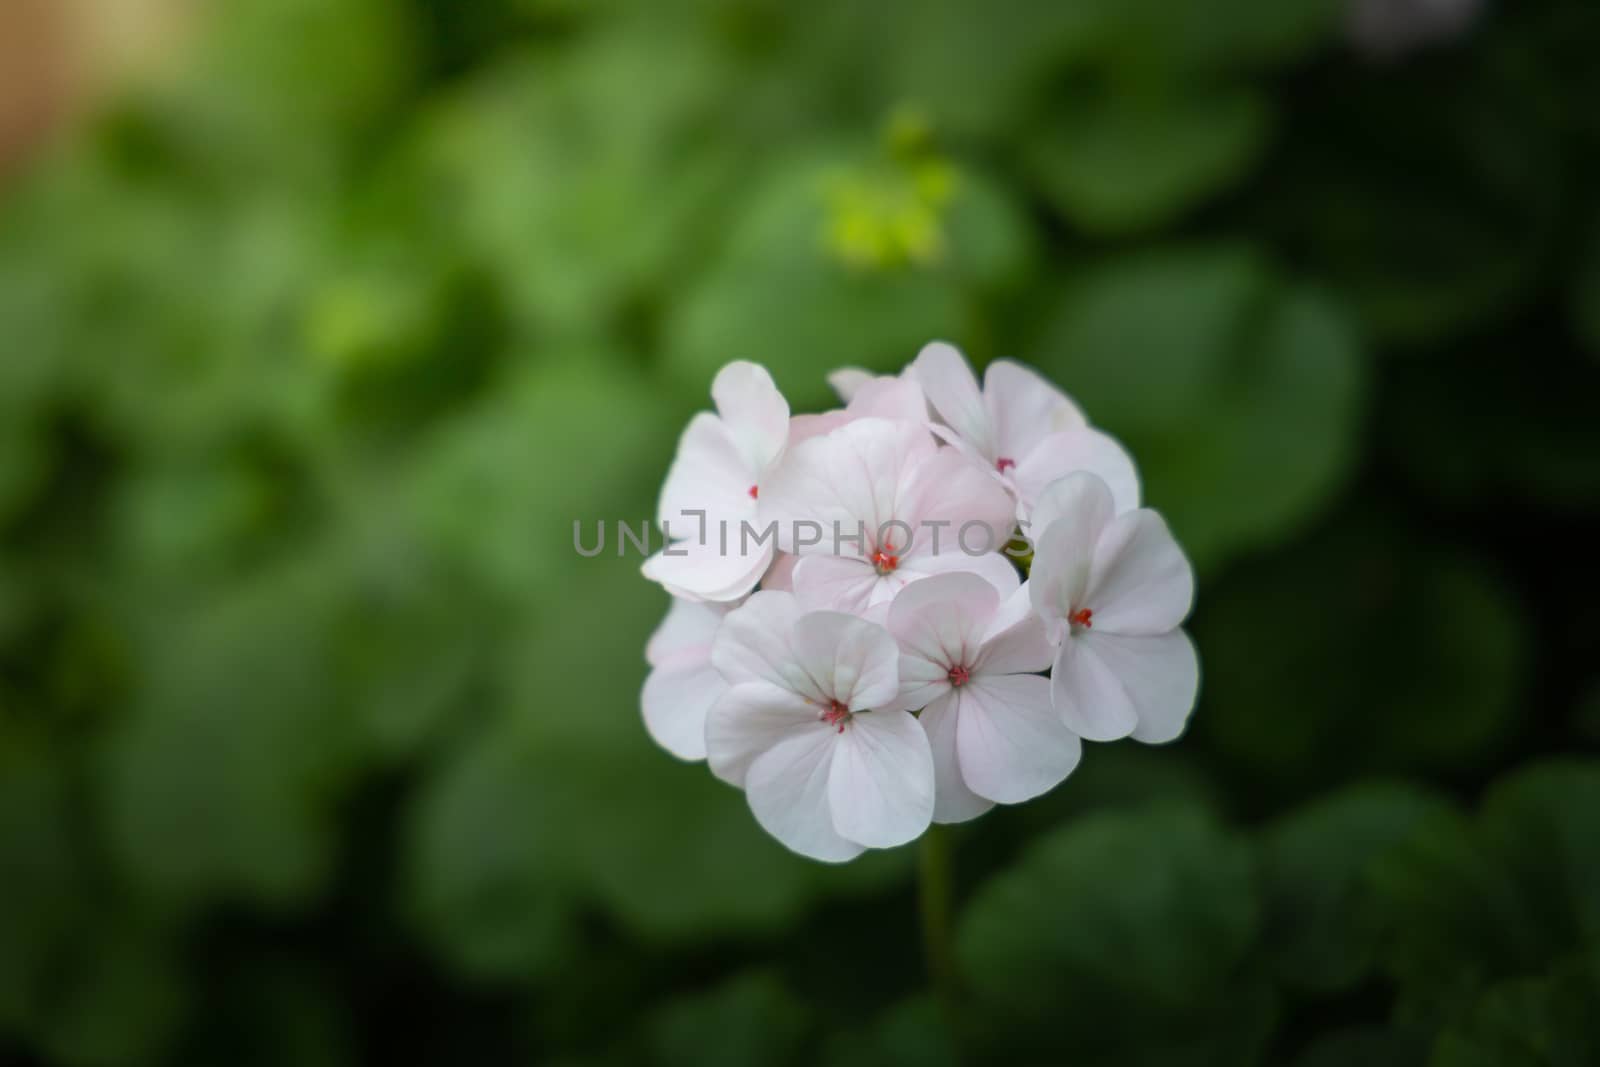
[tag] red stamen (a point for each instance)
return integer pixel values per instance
(1003, 464)
(1082, 618)
(959, 676)
(836, 715)
(884, 561)
(754, 492)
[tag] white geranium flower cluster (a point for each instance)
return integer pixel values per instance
(851, 639)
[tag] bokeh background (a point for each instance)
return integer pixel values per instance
(321, 321)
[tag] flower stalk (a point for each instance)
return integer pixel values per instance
(934, 903)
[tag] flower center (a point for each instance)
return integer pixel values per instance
(836, 715)
(959, 676)
(754, 492)
(1082, 617)
(1004, 463)
(884, 561)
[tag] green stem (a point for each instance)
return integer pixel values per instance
(937, 943)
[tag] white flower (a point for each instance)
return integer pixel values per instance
(971, 662)
(882, 397)
(682, 684)
(1020, 426)
(1114, 589)
(902, 508)
(828, 767)
(721, 464)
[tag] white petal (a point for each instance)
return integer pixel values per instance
(1010, 743)
(850, 660)
(708, 474)
(1141, 583)
(694, 571)
(1061, 454)
(846, 380)
(995, 568)
(1160, 674)
(756, 640)
(846, 481)
(755, 413)
(677, 696)
(1016, 641)
(938, 622)
(952, 800)
(751, 719)
(880, 788)
(835, 583)
(1067, 523)
(1024, 408)
(952, 389)
(788, 790)
(689, 627)
(1089, 694)
(1081, 496)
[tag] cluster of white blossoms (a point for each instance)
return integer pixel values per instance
(852, 641)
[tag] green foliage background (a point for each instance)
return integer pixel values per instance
(320, 745)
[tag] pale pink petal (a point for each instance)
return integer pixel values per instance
(1016, 640)
(750, 719)
(788, 790)
(976, 513)
(952, 389)
(756, 640)
(836, 583)
(755, 413)
(1010, 743)
(952, 800)
(688, 628)
(805, 427)
(847, 380)
(780, 575)
(1089, 695)
(1024, 408)
(845, 483)
(848, 659)
(1140, 582)
(677, 696)
(708, 474)
(1061, 454)
(889, 398)
(1067, 523)
(880, 788)
(1160, 674)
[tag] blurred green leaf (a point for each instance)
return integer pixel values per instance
(1370, 1046)
(1239, 393)
(1112, 163)
(1424, 258)
(1510, 893)
(748, 1019)
(497, 493)
(913, 1033)
(1530, 1022)
(1396, 655)
(1121, 938)
(223, 784)
(1319, 927)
